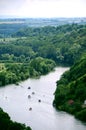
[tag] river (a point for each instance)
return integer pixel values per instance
(15, 101)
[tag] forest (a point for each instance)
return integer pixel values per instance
(30, 52)
(70, 95)
(36, 51)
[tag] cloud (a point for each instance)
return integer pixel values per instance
(43, 8)
(10, 6)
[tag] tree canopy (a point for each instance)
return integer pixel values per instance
(72, 87)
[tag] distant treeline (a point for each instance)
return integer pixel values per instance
(11, 25)
(6, 29)
(63, 44)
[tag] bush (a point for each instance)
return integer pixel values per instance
(81, 115)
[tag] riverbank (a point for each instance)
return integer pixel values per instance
(12, 73)
(7, 124)
(70, 94)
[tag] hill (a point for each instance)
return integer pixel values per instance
(70, 94)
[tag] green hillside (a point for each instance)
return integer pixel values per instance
(70, 94)
(63, 44)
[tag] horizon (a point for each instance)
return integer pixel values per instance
(23, 17)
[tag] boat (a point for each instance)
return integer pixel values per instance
(30, 108)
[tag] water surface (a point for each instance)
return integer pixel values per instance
(43, 116)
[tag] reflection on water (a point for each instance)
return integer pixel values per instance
(33, 106)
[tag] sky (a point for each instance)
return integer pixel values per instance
(43, 8)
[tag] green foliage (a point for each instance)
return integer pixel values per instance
(7, 124)
(72, 87)
(63, 44)
(14, 72)
(81, 115)
(42, 66)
